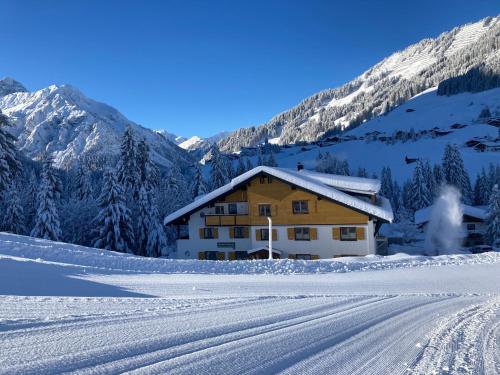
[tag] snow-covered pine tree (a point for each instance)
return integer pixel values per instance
(13, 221)
(386, 183)
(151, 239)
(270, 160)
(143, 221)
(113, 221)
(47, 223)
(482, 190)
(240, 167)
(219, 172)
(455, 173)
(249, 165)
(429, 178)
(420, 195)
(437, 171)
(260, 157)
(199, 186)
(397, 197)
(492, 235)
(149, 174)
(406, 194)
(128, 173)
(83, 185)
(362, 172)
(343, 168)
(9, 162)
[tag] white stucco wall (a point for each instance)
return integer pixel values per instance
(325, 246)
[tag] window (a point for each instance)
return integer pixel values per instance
(264, 210)
(211, 255)
(471, 226)
(232, 209)
(208, 233)
(348, 234)
(303, 256)
(241, 255)
(219, 210)
(239, 232)
(300, 207)
(264, 234)
(302, 234)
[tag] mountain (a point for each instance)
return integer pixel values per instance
(393, 81)
(9, 86)
(177, 139)
(203, 144)
(69, 125)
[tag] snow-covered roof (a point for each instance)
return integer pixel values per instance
(312, 181)
(423, 215)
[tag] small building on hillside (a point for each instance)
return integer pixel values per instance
(473, 223)
(314, 215)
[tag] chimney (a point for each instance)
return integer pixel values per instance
(300, 166)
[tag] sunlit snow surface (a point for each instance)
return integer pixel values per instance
(67, 308)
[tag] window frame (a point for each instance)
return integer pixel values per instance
(302, 231)
(261, 205)
(230, 206)
(237, 229)
(262, 236)
(303, 256)
(207, 230)
(344, 237)
(300, 210)
(471, 226)
(219, 208)
(211, 252)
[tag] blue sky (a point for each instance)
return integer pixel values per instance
(199, 67)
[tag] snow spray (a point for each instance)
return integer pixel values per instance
(444, 231)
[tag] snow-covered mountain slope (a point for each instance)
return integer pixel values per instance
(381, 88)
(203, 144)
(422, 113)
(9, 86)
(63, 121)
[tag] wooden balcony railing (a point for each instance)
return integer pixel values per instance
(226, 220)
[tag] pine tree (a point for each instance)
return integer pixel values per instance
(13, 220)
(455, 173)
(386, 186)
(47, 223)
(260, 159)
(420, 195)
(432, 187)
(343, 168)
(9, 163)
(151, 239)
(271, 161)
(437, 171)
(240, 167)
(219, 173)
(249, 165)
(113, 221)
(128, 171)
(492, 235)
(199, 186)
(362, 172)
(83, 185)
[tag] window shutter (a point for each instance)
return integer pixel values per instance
(202, 233)
(231, 255)
(313, 233)
(291, 256)
(257, 235)
(221, 255)
(274, 210)
(336, 233)
(291, 233)
(216, 232)
(246, 232)
(231, 232)
(275, 235)
(201, 255)
(360, 233)
(314, 257)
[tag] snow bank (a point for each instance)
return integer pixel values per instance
(62, 253)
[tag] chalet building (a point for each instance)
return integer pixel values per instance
(314, 215)
(473, 223)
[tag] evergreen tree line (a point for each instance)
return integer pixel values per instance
(120, 208)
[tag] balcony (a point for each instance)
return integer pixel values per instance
(226, 220)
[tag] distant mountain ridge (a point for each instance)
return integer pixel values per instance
(388, 84)
(61, 120)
